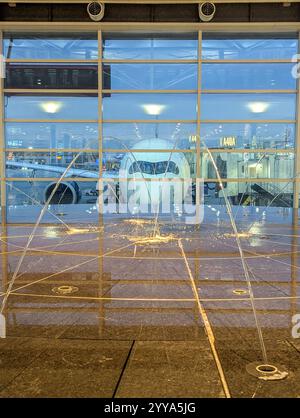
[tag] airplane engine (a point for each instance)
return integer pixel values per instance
(67, 193)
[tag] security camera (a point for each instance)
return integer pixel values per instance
(96, 10)
(207, 11)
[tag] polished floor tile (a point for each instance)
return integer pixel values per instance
(118, 311)
(66, 368)
(171, 369)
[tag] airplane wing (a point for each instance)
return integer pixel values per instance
(72, 172)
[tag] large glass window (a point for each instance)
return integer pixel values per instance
(49, 130)
(247, 110)
(157, 108)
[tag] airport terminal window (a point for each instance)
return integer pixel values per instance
(258, 135)
(255, 46)
(50, 164)
(249, 107)
(151, 76)
(150, 46)
(66, 46)
(128, 135)
(151, 96)
(51, 135)
(249, 165)
(130, 106)
(253, 106)
(259, 193)
(41, 107)
(250, 76)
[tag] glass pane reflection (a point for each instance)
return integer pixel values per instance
(129, 135)
(150, 76)
(78, 107)
(248, 106)
(278, 194)
(150, 46)
(248, 165)
(75, 201)
(248, 135)
(150, 106)
(261, 46)
(51, 164)
(51, 46)
(51, 135)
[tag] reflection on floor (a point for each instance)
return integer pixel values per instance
(106, 309)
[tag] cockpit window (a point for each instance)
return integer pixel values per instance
(160, 167)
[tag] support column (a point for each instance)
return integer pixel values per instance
(198, 145)
(2, 142)
(100, 202)
(296, 184)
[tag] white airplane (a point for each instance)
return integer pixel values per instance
(136, 164)
(144, 165)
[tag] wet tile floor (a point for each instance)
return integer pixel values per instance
(111, 311)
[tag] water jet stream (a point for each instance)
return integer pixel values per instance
(156, 230)
(133, 156)
(242, 197)
(36, 202)
(207, 326)
(45, 208)
(137, 163)
(241, 252)
(278, 194)
(67, 269)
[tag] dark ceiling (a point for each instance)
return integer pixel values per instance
(247, 12)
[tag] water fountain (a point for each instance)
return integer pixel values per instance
(265, 370)
(30, 238)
